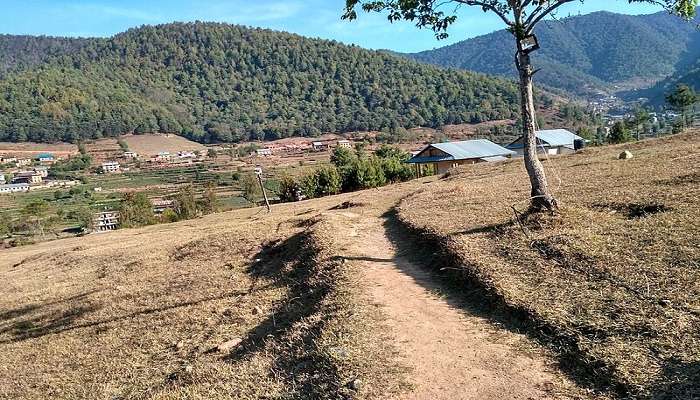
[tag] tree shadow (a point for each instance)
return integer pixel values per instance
(294, 325)
(464, 292)
(680, 380)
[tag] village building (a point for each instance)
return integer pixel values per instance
(14, 188)
(2, 179)
(28, 177)
(110, 167)
(41, 170)
(22, 162)
(131, 155)
(8, 160)
(445, 156)
(46, 158)
(159, 206)
(319, 146)
(346, 144)
(163, 156)
(106, 221)
(186, 154)
(264, 152)
(551, 141)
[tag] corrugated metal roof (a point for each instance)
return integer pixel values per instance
(558, 137)
(472, 149)
(551, 138)
(464, 150)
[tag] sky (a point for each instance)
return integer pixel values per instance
(312, 18)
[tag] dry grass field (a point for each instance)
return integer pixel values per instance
(143, 313)
(152, 144)
(612, 282)
(28, 149)
(288, 305)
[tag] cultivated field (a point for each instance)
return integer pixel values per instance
(152, 144)
(29, 149)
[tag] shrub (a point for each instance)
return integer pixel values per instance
(136, 210)
(289, 189)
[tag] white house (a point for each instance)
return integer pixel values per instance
(110, 167)
(319, 146)
(29, 177)
(41, 170)
(130, 154)
(264, 152)
(14, 188)
(163, 156)
(2, 179)
(106, 221)
(345, 144)
(46, 157)
(551, 141)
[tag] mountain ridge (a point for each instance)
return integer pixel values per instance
(585, 53)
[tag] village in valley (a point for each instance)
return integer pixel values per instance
(350, 200)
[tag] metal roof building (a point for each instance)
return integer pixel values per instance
(443, 156)
(553, 141)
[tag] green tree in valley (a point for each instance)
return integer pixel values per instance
(520, 18)
(619, 133)
(682, 99)
(136, 210)
(250, 188)
(185, 203)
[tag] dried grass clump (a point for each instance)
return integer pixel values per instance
(618, 298)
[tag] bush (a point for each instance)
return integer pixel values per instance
(322, 182)
(289, 189)
(136, 210)
(185, 203)
(619, 133)
(168, 216)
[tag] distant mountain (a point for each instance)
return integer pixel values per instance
(657, 94)
(585, 53)
(216, 82)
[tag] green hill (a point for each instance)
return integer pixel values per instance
(585, 53)
(217, 82)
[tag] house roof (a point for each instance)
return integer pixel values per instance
(44, 155)
(552, 138)
(464, 150)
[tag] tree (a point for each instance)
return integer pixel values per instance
(250, 187)
(211, 153)
(520, 18)
(682, 99)
(84, 217)
(35, 214)
(210, 201)
(185, 203)
(619, 133)
(136, 210)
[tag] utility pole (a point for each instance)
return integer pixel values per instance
(258, 172)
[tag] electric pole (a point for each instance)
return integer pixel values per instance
(258, 172)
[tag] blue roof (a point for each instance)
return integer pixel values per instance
(45, 155)
(552, 138)
(465, 150)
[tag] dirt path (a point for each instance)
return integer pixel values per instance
(453, 355)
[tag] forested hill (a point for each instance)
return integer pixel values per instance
(656, 94)
(217, 82)
(22, 52)
(585, 52)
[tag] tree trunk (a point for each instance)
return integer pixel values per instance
(541, 198)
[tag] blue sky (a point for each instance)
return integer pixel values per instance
(314, 18)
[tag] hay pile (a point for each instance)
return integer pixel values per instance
(612, 282)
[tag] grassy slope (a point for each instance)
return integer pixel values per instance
(614, 289)
(135, 313)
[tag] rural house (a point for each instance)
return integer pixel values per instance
(552, 141)
(41, 170)
(444, 156)
(110, 167)
(28, 177)
(46, 157)
(130, 154)
(106, 221)
(2, 179)
(345, 144)
(14, 188)
(319, 146)
(264, 152)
